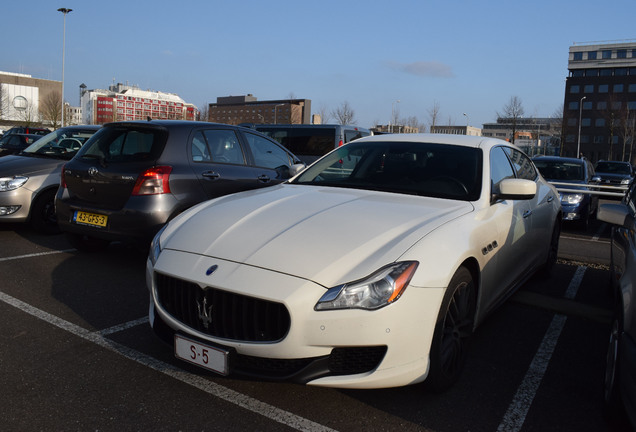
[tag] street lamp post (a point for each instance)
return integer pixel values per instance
(65, 11)
(467, 122)
(275, 108)
(578, 146)
(392, 115)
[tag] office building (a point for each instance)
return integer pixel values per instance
(235, 110)
(600, 101)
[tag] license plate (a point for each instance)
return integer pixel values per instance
(90, 219)
(206, 356)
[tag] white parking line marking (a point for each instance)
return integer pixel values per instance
(224, 393)
(36, 255)
(515, 416)
(124, 326)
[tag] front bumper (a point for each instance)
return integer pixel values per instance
(20, 197)
(398, 336)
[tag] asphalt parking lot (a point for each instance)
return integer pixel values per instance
(78, 354)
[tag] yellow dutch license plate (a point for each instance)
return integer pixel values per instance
(90, 219)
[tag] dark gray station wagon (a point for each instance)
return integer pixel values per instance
(133, 177)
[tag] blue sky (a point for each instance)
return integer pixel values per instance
(465, 55)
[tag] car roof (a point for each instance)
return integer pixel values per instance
(558, 158)
(461, 140)
(166, 123)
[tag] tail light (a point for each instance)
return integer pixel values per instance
(63, 178)
(153, 181)
(340, 143)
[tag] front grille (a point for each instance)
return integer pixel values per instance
(347, 361)
(221, 313)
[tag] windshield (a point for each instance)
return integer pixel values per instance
(560, 170)
(435, 170)
(614, 168)
(61, 144)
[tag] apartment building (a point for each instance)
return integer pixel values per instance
(123, 102)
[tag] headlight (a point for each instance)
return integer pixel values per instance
(155, 246)
(11, 183)
(626, 181)
(380, 289)
(572, 198)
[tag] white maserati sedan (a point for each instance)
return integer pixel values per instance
(369, 269)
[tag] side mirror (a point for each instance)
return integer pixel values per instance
(616, 214)
(517, 189)
(296, 169)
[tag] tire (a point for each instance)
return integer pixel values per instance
(454, 326)
(553, 250)
(85, 243)
(611, 394)
(42, 216)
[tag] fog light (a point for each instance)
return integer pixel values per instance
(571, 216)
(7, 210)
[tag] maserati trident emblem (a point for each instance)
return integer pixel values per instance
(92, 171)
(204, 312)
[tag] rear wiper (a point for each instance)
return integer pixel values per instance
(101, 159)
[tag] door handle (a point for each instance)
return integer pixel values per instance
(551, 198)
(263, 178)
(211, 175)
(527, 213)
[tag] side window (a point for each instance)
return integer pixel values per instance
(351, 135)
(523, 165)
(266, 153)
(223, 147)
(199, 148)
(500, 168)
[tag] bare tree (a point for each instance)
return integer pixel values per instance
(51, 110)
(627, 129)
(414, 123)
(433, 114)
(204, 113)
(324, 114)
(344, 114)
(512, 111)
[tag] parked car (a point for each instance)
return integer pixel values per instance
(620, 371)
(15, 143)
(615, 173)
(573, 178)
(310, 142)
(29, 180)
(369, 269)
(28, 130)
(133, 177)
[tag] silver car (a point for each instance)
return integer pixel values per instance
(29, 180)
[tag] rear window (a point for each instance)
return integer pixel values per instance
(124, 144)
(304, 141)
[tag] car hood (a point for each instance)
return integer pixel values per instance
(28, 166)
(613, 176)
(327, 235)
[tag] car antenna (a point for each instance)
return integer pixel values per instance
(148, 118)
